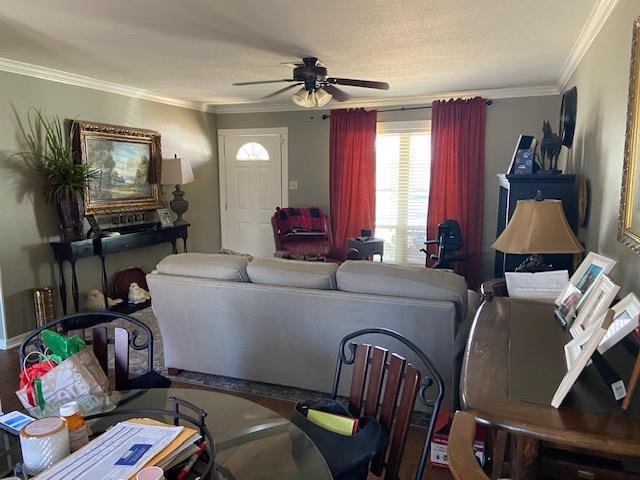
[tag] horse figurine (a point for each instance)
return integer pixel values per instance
(550, 147)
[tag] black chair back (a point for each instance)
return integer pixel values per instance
(99, 339)
(386, 386)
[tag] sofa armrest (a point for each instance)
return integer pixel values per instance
(344, 253)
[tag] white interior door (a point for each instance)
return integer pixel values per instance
(253, 182)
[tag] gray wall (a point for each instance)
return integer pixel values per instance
(28, 223)
(602, 78)
(309, 148)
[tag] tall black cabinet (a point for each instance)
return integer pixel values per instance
(524, 187)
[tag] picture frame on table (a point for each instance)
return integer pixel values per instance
(575, 293)
(164, 217)
(626, 319)
(587, 349)
(597, 302)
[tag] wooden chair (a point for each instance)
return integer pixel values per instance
(462, 462)
(386, 386)
(80, 323)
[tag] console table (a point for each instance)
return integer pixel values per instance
(513, 363)
(102, 247)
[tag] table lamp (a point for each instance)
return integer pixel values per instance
(537, 227)
(177, 171)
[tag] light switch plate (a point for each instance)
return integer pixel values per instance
(293, 184)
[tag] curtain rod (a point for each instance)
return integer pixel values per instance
(403, 109)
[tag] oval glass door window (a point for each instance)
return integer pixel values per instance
(252, 151)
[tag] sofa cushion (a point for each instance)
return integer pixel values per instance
(205, 265)
(412, 282)
(292, 273)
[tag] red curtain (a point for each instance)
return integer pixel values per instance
(457, 175)
(352, 172)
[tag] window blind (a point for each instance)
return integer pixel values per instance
(403, 166)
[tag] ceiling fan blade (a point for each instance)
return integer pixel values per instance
(358, 83)
(263, 81)
(278, 92)
(292, 64)
(336, 93)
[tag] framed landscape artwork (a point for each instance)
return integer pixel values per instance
(629, 218)
(128, 161)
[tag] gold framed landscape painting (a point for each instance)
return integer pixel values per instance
(128, 161)
(629, 218)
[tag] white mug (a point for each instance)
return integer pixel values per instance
(150, 473)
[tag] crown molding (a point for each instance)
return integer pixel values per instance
(597, 18)
(289, 106)
(59, 76)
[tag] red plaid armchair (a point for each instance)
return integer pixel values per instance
(300, 232)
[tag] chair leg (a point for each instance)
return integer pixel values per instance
(499, 451)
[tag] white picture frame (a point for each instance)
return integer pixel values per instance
(573, 348)
(597, 301)
(575, 293)
(590, 346)
(626, 318)
(165, 217)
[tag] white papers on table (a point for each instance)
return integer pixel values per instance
(119, 453)
(538, 286)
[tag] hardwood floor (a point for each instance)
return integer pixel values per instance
(9, 368)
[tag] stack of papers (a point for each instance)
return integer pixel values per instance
(125, 449)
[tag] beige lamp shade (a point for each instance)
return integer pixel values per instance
(176, 171)
(538, 226)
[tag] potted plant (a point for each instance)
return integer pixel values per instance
(52, 157)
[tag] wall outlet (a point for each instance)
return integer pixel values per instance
(293, 184)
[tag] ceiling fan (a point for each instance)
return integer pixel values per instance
(317, 88)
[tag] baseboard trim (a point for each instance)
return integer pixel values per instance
(12, 342)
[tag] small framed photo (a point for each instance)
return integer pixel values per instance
(93, 223)
(599, 297)
(626, 318)
(165, 217)
(576, 292)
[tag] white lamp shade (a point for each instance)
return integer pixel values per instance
(176, 171)
(303, 98)
(322, 97)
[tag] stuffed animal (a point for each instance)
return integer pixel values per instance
(95, 300)
(137, 294)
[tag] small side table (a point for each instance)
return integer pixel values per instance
(367, 248)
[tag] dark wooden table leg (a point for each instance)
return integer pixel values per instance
(74, 287)
(105, 282)
(62, 287)
(174, 246)
(184, 244)
(525, 463)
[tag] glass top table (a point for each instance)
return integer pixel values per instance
(252, 442)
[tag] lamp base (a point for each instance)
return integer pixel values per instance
(179, 205)
(534, 264)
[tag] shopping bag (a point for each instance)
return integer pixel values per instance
(76, 377)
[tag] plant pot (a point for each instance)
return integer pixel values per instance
(71, 216)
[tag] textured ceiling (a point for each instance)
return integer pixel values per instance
(195, 49)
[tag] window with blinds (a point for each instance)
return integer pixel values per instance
(403, 167)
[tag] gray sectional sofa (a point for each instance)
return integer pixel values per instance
(280, 321)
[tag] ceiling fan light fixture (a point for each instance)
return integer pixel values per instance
(322, 97)
(303, 98)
